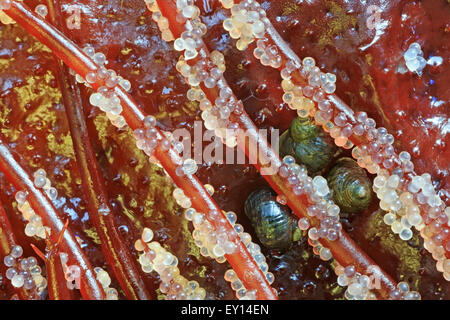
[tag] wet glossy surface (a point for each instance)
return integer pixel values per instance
(414, 108)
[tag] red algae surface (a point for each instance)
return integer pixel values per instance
(371, 76)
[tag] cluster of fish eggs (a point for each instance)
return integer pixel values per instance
(236, 284)
(216, 114)
(105, 280)
(246, 22)
(302, 98)
(35, 227)
(321, 208)
(105, 98)
(155, 258)
(24, 272)
(358, 285)
(212, 242)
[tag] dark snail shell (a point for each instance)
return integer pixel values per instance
(352, 188)
(308, 144)
(272, 222)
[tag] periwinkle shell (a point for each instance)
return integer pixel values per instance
(272, 222)
(350, 185)
(308, 144)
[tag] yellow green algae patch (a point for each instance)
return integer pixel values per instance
(407, 252)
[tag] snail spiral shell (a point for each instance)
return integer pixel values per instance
(308, 144)
(272, 222)
(352, 188)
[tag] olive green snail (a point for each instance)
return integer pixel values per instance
(308, 144)
(311, 146)
(273, 222)
(350, 185)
